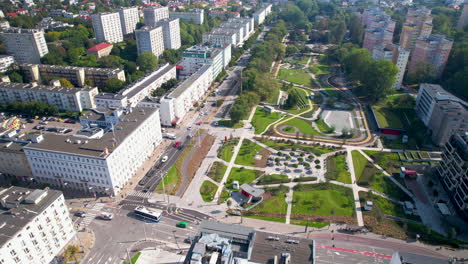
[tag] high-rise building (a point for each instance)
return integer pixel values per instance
(36, 225)
(107, 27)
(5, 62)
(463, 17)
(129, 18)
(171, 33)
(150, 39)
(418, 24)
(195, 16)
(220, 36)
(453, 171)
(443, 113)
(377, 37)
(397, 55)
(433, 50)
(154, 14)
(25, 45)
(374, 17)
(260, 15)
(196, 56)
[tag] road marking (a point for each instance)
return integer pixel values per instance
(371, 254)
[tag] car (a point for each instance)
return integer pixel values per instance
(30, 121)
(69, 121)
(145, 190)
(213, 104)
(189, 128)
(177, 144)
(292, 241)
(106, 216)
(164, 159)
(273, 238)
(182, 224)
(44, 122)
(142, 182)
(199, 123)
(80, 213)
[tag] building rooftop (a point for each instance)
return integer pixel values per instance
(100, 46)
(438, 93)
(107, 71)
(226, 230)
(44, 88)
(145, 81)
(19, 206)
(182, 86)
(251, 190)
(15, 30)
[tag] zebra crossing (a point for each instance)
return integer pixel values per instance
(91, 215)
(141, 194)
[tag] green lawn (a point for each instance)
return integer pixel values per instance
(208, 191)
(309, 223)
(303, 126)
(302, 105)
(389, 161)
(262, 119)
(298, 76)
(383, 184)
(324, 127)
(225, 195)
(267, 218)
(273, 179)
(273, 203)
(230, 124)
(319, 69)
(242, 176)
(226, 151)
(337, 169)
(359, 162)
(316, 150)
(170, 181)
(387, 118)
(388, 207)
(322, 199)
(134, 259)
(217, 171)
(247, 152)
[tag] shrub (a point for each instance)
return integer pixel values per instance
(318, 167)
(317, 161)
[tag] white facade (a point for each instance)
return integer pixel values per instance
(171, 33)
(150, 39)
(102, 165)
(260, 15)
(195, 16)
(26, 45)
(193, 58)
(6, 62)
(220, 36)
(36, 230)
(238, 28)
(107, 27)
(129, 18)
(64, 98)
(401, 60)
(153, 15)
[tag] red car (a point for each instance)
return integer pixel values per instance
(68, 121)
(177, 144)
(199, 123)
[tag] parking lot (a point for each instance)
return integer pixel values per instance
(49, 126)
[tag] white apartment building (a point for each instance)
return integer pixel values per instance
(177, 103)
(262, 13)
(196, 56)
(129, 17)
(397, 55)
(107, 27)
(171, 33)
(219, 36)
(137, 91)
(4, 25)
(64, 98)
(195, 16)
(238, 28)
(35, 225)
(5, 62)
(150, 39)
(248, 23)
(154, 14)
(13, 162)
(92, 160)
(26, 45)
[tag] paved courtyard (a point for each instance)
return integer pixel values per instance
(339, 119)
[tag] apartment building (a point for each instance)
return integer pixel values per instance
(260, 15)
(196, 56)
(236, 27)
(6, 62)
(153, 14)
(395, 54)
(219, 36)
(177, 103)
(25, 45)
(150, 39)
(13, 162)
(248, 23)
(443, 113)
(418, 24)
(107, 27)
(453, 169)
(377, 37)
(195, 16)
(64, 98)
(93, 160)
(138, 90)
(463, 21)
(433, 50)
(129, 18)
(76, 75)
(35, 225)
(171, 32)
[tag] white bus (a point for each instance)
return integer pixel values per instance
(169, 136)
(150, 214)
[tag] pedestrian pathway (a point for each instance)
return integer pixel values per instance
(289, 200)
(355, 188)
(89, 217)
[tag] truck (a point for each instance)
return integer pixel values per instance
(169, 136)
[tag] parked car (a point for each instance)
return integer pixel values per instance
(189, 128)
(199, 123)
(177, 144)
(142, 182)
(69, 121)
(164, 159)
(182, 224)
(106, 216)
(30, 121)
(80, 213)
(43, 122)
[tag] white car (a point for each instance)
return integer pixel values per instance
(164, 159)
(106, 216)
(189, 128)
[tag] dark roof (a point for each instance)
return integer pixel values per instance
(251, 190)
(409, 258)
(226, 230)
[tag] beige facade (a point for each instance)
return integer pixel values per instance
(12, 159)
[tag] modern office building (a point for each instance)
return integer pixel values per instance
(463, 21)
(76, 75)
(195, 16)
(153, 14)
(196, 56)
(443, 113)
(25, 45)
(377, 37)
(129, 18)
(453, 171)
(64, 98)
(219, 36)
(35, 225)
(171, 32)
(97, 159)
(107, 27)
(433, 50)
(418, 25)
(6, 62)
(395, 54)
(150, 39)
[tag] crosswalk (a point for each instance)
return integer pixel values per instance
(91, 215)
(146, 195)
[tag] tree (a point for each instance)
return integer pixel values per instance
(424, 73)
(16, 77)
(147, 61)
(89, 82)
(291, 49)
(71, 253)
(65, 83)
(52, 36)
(356, 29)
(337, 32)
(378, 79)
(111, 62)
(114, 85)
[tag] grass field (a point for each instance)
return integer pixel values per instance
(247, 152)
(262, 119)
(322, 199)
(319, 69)
(226, 151)
(389, 161)
(388, 207)
(359, 162)
(273, 179)
(230, 124)
(303, 126)
(316, 150)
(208, 191)
(323, 127)
(217, 171)
(298, 76)
(337, 169)
(242, 176)
(303, 104)
(273, 202)
(225, 195)
(170, 180)
(310, 223)
(387, 118)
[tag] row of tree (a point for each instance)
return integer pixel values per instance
(29, 108)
